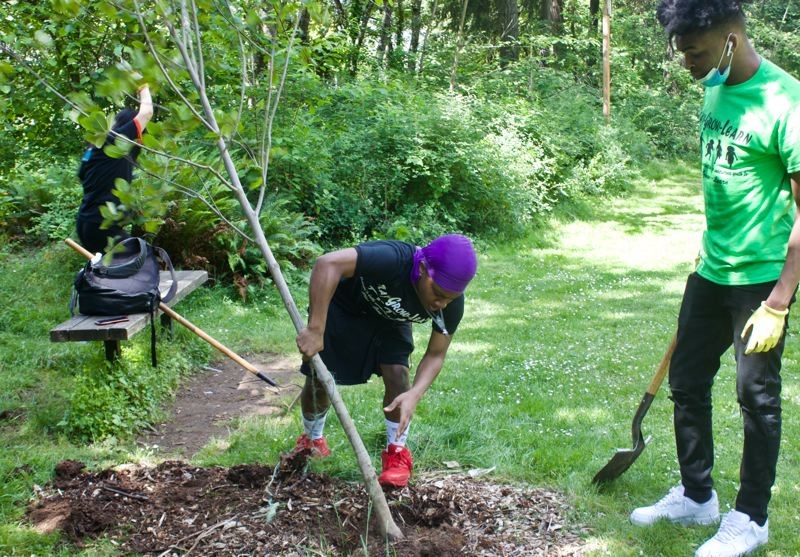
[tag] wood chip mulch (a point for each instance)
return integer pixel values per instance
(175, 509)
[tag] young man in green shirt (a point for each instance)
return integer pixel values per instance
(748, 269)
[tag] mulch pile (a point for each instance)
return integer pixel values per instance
(177, 509)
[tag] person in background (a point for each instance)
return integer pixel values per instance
(747, 273)
(362, 302)
(98, 173)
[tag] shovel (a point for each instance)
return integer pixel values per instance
(623, 458)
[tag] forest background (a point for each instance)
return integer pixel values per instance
(399, 119)
(345, 120)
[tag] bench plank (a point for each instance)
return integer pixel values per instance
(82, 327)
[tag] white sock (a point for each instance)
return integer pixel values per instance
(315, 425)
(391, 433)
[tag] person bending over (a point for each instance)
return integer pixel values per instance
(362, 302)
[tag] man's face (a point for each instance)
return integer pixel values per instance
(702, 51)
(432, 296)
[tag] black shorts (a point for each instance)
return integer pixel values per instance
(356, 345)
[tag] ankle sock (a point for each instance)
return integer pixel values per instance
(391, 433)
(314, 425)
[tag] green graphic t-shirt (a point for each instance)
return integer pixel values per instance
(749, 144)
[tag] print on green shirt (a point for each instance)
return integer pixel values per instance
(749, 144)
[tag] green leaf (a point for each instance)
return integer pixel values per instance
(43, 38)
(66, 7)
(107, 9)
(96, 127)
(113, 151)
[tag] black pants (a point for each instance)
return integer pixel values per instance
(95, 239)
(711, 318)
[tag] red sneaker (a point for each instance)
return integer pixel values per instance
(397, 464)
(318, 448)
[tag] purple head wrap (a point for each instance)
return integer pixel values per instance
(450, 261)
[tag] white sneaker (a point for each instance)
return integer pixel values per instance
(678, 508)
(737, 535)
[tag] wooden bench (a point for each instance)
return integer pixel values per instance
(83, 327)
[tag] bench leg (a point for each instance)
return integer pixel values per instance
(113, 350)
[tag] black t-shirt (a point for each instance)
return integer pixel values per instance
(98, 172)
(381, 287)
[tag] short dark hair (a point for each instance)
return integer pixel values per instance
(680, 17)
(123, 117)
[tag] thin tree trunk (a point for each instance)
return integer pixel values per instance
(431, 23)
(459, 44)
(385, 44)
(607, 59)
(362, 32)
(400, 22)
(416, 26)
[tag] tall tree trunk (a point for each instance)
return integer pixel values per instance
(431, 23)
(459, 44)
(305, 20)
(400, 23)
(385, 44)
(362, 33)
(508, 18)
(416, 26)
(594, 16)
(551, 12)
(607, 59)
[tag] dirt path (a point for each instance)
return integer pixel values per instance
(211, 400)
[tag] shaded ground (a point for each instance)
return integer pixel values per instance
(178, 509)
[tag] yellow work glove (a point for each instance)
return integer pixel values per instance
(766, 327)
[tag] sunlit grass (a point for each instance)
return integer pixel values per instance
(561, 336)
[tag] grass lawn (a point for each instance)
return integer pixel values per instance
(562, 333)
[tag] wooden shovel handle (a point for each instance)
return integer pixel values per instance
(663, 366)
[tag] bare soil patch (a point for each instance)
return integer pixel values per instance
(178, 509)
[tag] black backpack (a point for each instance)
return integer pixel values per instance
(128, 284)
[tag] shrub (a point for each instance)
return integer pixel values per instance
(120, 398)
(39, 201)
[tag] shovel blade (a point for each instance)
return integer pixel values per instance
(619, 463)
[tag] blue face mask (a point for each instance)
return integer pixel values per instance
(715, 78)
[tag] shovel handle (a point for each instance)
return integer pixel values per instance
(663, 366)
(79, 248)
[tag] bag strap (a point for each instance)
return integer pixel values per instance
(153, 359)
(173, 289)
(74, 299)
(128, 268)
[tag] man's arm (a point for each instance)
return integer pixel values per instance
(782, 293)
(329, 269)
(427, 371)
(145, 107)
(765, 327)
